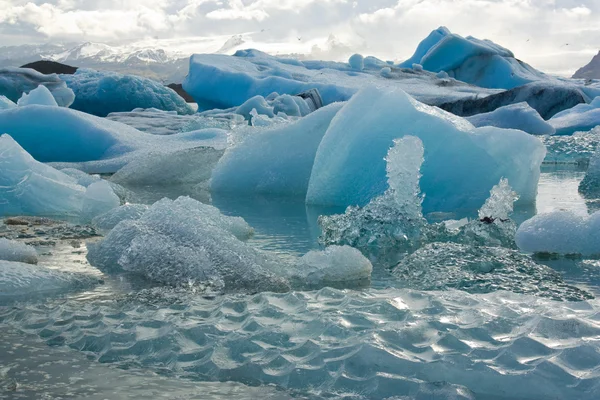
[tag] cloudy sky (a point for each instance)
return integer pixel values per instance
(554, 35)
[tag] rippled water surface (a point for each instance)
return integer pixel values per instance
(129, 338)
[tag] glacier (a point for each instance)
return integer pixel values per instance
(14, 82)
(349, 167)
(101, 93)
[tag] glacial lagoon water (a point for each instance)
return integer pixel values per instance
(129, 338)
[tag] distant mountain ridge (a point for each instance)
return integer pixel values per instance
(591, 70)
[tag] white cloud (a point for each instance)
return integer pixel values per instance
(537, 31)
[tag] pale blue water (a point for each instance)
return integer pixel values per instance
(129, 338)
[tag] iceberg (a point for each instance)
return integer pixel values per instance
(127, 212)
(11, 250)
(515, 116)
(219, 81)
(185, 242)
(5, 103)
(462, 163)
(101, 93)
(582, 117)
(40, 95)
(562, 232)
(21, 280)
(28, 187)
(547, 98)
(478, 62)
(73, 139)
(16, 81)
(276, 160)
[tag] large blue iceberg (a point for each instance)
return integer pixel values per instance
(101, 93)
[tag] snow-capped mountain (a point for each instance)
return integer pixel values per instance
(591, 70)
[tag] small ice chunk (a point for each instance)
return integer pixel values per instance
(500, 203)
(40, 95)
(442, 75)
(562, 232)
(386, 72)
(357, 62)
(11, 250)
(417, 67)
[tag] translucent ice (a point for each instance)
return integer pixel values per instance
(562, 232)
(16, 81)
(349, 167)
(590, 185)
(99, 198)
(100, 93)
(40, 95)
(515, 116)
(183, 241)
(11, 250)
(575, 149)
(5, 103)
(480, 269)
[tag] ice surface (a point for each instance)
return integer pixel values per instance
(185, 242)
(16, 81)
(562, 232)
(590, 185)
(6, 103)
(110, 219)
(582, 117)
(20, 280)
(278, 160)
(11, 250)
(220, 81)
(40, 95)
(100, 93)
(480, 269)
(81, 177)
(479, 62)
(159, 122)
(515, 116)
(32, 188)
(349, 167)
(89, 143)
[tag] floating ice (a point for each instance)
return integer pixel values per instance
(349, 167)
(480, 269)
(220, 81)
(574, 149)
(278, 160)
(562, 232)
(31, 188)
(100, 93)
(110, 219)
(40, 95)
(11, 250)
(20, 280)
(582, 117)
(357, 62)
(590, 185)
(515, 116)
(16, 81)
(479, 62)
(89, 143)
(81, 177)
(183, 241)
